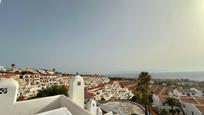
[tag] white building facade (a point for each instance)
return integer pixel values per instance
(60, 104)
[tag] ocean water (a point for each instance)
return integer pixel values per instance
(196, 76)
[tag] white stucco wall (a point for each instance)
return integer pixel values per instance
(8, 97)
(92, 107)
(109, 113)
(189, 108)
(35, 106)
(156, 101)
(76, 91)
(99, 111)
(60, 111)
(73, 107)
(9, 106)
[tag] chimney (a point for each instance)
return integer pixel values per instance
(8, 95)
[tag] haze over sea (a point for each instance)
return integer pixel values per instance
(197, 76)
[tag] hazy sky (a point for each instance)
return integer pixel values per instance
(102, 36)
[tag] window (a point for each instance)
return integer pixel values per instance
(93, 105)
(3, 90)
(193, 93)
(192, 113)
(78, 83)
(184, 106)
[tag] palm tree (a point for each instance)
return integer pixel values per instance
(13, 66)
(173, 102)
(143, 90)
(51, 91)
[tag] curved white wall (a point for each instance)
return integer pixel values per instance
(8, 95)
(76, 90)
(91, 106)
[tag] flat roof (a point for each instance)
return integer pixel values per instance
(189, 100)
(200, 100)
(200, 108)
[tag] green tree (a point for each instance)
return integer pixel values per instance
(13, 66)
(21, 98)
(173, 102)
(143, 92)
(164, 112)
(52, 90)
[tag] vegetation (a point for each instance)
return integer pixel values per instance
(167, 82)
(143, 94)
(133, 114)
(201, 84)
(164, 112)
(51, 91)
(26, 72)
(13, 66)
(21, 98)
(173, 102)
(119, 78)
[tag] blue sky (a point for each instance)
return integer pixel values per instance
(104, 36)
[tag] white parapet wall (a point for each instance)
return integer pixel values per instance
(92, 107)
(76, 90)
(190, 109)
(8, 95)
(60, 111)
(75, 104)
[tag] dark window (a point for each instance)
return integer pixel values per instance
(192, 113)
(93, 105)
(184, 106)
(3, 90)
(78, 83)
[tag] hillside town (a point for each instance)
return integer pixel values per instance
(31, 80)
(110, 93)
(97, 87)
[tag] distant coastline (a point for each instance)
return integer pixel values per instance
(195, 76)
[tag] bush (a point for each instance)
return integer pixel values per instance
(52, 90)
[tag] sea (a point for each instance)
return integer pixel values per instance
(195, 76)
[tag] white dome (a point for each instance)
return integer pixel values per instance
(78, 77)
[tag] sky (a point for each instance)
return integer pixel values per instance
(106, 36)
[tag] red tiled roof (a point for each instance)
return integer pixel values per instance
(200, 108)
(162, 98)
(88, 94)
(186, 91)
(200, 100)
(189, 100)
(158, 90)
(8, 75)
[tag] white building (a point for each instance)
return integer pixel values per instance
(190, 105)
(187, 92)
(159, 102)
(191, 109)
(53, 105)
(2, 68)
